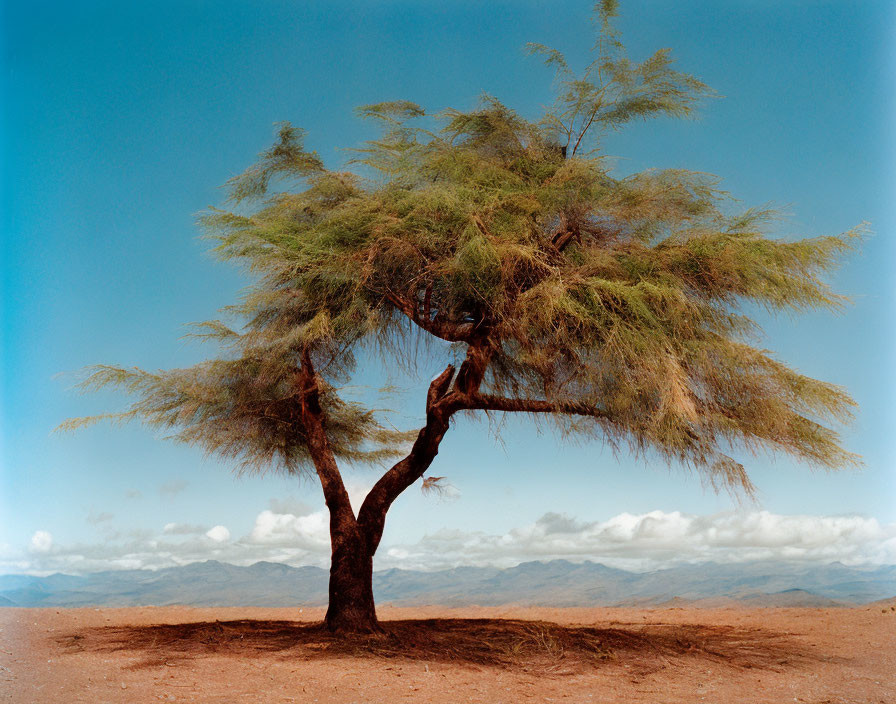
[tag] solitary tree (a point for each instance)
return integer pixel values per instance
(609, 306)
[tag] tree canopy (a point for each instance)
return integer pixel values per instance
(614, 306)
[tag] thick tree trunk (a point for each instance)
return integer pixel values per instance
(354, 540)
(351, 568)
(351, 608)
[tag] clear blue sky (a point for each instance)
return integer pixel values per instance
(120, 120)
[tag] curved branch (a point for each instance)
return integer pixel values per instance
(439, 408)
(311, 416)
(442, 400)
(440, 328)
(585, 129)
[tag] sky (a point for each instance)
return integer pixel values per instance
(121, 120)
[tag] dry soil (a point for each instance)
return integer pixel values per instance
(493, 655)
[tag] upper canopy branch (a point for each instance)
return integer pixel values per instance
(435, 325)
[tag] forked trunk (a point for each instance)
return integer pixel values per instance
(351, 607)
(355, 540)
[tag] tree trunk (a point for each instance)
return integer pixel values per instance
(351, 608)
(355, 540)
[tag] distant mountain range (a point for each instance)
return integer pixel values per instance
(555, 583)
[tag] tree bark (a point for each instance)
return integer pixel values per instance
(351, 608)
(372, 514)
(355, 540)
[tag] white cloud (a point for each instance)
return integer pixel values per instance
(300, 526)
(41, 542)
(357, 492)
(631, 541)
(219, 534)
(311, 531)
(661, 538)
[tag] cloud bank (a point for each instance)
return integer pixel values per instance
(631, 541)
(660, 539)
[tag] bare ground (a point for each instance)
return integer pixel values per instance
(489, 655)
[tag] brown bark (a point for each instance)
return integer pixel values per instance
(437, 326)
(372, 514)
(484, 402)
(351, 608)
(354, 540)
(561, 239)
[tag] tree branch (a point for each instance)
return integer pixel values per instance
(484, 402)
(561, 239)
(312, 418)
(472, 371)
(585, 129)
(439, 407)
(442, 400)
(438, 389)
(442, 329)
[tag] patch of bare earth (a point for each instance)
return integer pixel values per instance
(493, 655)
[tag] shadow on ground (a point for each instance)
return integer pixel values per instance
(531, 646)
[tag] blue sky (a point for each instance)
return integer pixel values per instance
(120, 121)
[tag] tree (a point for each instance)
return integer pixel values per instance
(612, 307)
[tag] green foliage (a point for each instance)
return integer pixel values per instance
(619, 300)
(285, 159)
(242, 409)
(613, 90)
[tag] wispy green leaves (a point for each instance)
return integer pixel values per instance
(616, 300)
(286, 159)
(613, 90)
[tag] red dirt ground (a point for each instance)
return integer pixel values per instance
(488, 655)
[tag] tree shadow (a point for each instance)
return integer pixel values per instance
(530, 646)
